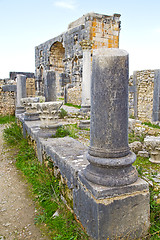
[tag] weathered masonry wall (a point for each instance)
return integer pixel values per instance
(7, 99)
(63, 54)
(74, 95)
(30, 87)
(144, 95)
(8, 94)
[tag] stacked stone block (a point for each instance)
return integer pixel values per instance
(7, 101)
(74, 95)
(144, 95)
(30, 87)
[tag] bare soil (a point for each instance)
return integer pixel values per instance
(17, 209)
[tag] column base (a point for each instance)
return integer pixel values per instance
(85, 109)
(31, 116)
(113, 212)
(48, 131)
(84, 124)
(111, 172)
(20, 110)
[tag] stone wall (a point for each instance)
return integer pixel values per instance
(145, 88)
(7, 100)
(74, 95)
(144, 95)
(8, 94)
(30, 87)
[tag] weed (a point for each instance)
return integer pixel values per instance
(151, 125)
(62, 113)
(12, 134)
(72, 105)
(132, 137)
(7, 119)
(64, 131)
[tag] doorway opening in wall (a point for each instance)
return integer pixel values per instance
(57, 54)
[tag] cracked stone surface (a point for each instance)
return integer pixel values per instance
(17, 210)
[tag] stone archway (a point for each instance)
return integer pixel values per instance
(57, 54)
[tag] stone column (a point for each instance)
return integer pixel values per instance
(21, 93)
(110, 200)
(50, 90)
(109, 154)
(86, 76)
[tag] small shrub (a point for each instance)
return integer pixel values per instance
(63, 113)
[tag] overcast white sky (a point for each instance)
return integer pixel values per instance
(25, 24)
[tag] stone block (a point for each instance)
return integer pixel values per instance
(113, 213)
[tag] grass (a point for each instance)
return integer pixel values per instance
(46, 191)
(67, 130)
(132, 137)
(7, 119)
(149, 124)
(72, 105)
(148, 171)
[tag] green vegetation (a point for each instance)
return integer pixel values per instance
(149, 124)
(132, 137)
(68, 130)
(61, 98)
(63, 113)
(45, 190)
(7, 119)
(148, 171)
(72, 105)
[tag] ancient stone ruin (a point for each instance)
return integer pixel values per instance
(64, 54)
(108, 197)
(86, 67)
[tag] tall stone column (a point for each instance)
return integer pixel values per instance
(110, 200)
(50, 89)
(109, 154)
(86, 76)
(21, 92)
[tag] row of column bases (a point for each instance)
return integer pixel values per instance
(110, 201)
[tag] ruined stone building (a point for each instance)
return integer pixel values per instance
(64, 54)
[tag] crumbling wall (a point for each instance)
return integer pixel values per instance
(145, 89)
(7, 100)
(30, 87)
(74, 95)
(144, 95)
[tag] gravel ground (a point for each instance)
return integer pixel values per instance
(17, 210)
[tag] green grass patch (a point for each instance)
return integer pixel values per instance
(67, 130)
(149, 124)
(132, 137)
(46, 191)
(72, 105)
(148, 170)
(7, 119)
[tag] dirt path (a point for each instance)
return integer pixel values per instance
(17, 210)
